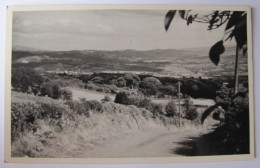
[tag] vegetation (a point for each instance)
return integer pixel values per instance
(26, 80)
(106, 99)
(190, 111)
(171, 109)
(235, 130)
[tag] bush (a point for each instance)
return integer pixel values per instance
(156, 109)
(150, 86)
(168, 90)
(55, 91)
(95, 105)
(129, 98)
(83, 106)
(26, 80)
(122, 98)
(170, 109)
(121, 82)
(25, 117)
(237, 125)
(145, 103)
(132, 80)
(190, 110)
(80, 107)
(66, 94)
(192, 113)
(51, 90)
(199, 88)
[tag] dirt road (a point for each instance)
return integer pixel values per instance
(149, 143)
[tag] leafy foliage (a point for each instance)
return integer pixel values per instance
(170, 109)
(215, 51)
(83, 107)
(26, 80)
(199, 88)
(190, 111)
(236, 27)
(25, 117)
(168, 18)
(150, 86)
(129, 98)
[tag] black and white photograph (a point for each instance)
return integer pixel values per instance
(129, 82)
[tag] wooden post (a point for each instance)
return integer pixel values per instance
(179, 98)
(236, 72)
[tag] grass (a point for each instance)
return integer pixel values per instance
(50, 128)
(89, 95)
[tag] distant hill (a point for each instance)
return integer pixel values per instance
(161, 62)
(22, 48)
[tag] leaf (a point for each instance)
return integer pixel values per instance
(190, 19)
(234, 19)
(207, 112)
(240, 32)
(168, 18)
(215, 51)
(182, 13)
(213, 20)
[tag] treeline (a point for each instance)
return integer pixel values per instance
(156, 86)
(27, 80)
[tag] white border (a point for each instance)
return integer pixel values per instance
(239, 164)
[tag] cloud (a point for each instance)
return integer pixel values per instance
(107, 30)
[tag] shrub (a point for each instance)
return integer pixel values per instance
(168, 90)
(199, 88)
(95, 105)
(145, 103)
(121, 82)
(122, 98)
(192, 113)
(170, 109)
(83, 106)
(80, 107)
(190, 110)
(25, 117)
(97, 79)
(51, 90)
(150, 86)
(156, 109)
(26, 80)
(66, 94)
(129, 98)
(55, 91)
(132, 80)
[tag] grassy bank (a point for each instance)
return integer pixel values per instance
(44, 127)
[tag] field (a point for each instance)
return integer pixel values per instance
(190, 62)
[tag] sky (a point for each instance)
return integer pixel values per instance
(108, 30)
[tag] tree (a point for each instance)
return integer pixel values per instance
(150, 86)
(236, 26)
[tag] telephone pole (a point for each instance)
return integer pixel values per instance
(179, 98)
(236, 72)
